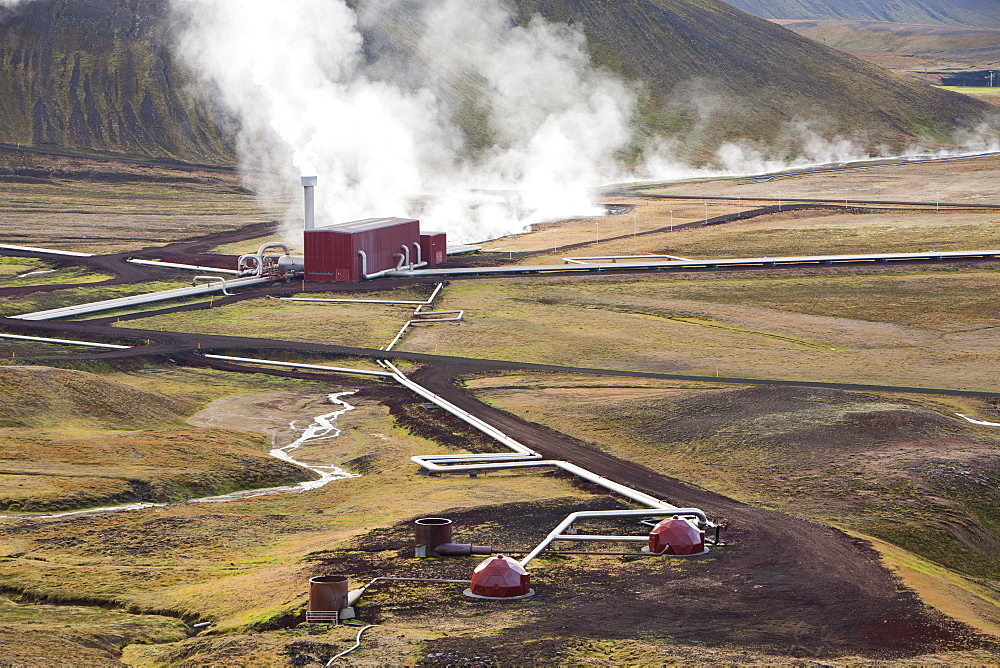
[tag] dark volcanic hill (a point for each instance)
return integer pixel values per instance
(99, 75)
(971, 13)
(715, 69)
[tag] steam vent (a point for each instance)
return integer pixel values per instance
(676, 536)
(500, 577)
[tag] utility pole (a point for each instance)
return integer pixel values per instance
(706, 213)
(991, 76)
(671, 220)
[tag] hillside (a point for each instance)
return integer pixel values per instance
(99, 75)
(47, 397)
(933, 52)
(71, 439)
(716, 72)
(971, 13)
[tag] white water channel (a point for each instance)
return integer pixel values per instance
(35, 273)
(975, 421)
(323, 427)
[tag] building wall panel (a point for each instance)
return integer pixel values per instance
(331, 253)
(434, 247)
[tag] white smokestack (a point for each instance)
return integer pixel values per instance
(309, 186)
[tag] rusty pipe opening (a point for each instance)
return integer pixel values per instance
(434, 538)
(461, 550)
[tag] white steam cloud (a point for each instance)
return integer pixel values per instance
(374, 101)
(449, 111)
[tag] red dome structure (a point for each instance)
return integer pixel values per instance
(676, 536)
(500, 577)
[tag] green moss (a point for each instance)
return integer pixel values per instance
(938, 546)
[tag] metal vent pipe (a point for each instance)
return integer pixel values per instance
(309, 186)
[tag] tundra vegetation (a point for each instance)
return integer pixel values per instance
(900, 470)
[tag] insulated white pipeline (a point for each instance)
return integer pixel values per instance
(461, 414)
(136, 300)
(265, 247)
(47, 251)
(211, 279)
(176, 265)
(67, 342)
(523, 456)
(419, 316)
(709, 264)
(399, 335)
(364, 266)
(559, 532)
(422, 319)
(615, 258)
(296, 365)
(391, 302)
(243, 265)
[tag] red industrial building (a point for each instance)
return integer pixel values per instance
(368, 248)
(365, 248)
(434, 247)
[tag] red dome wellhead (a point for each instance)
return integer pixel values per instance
(676, 536)
(500, 577)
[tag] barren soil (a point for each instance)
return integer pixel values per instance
(98, 206)
(913, 329)
(785, 588)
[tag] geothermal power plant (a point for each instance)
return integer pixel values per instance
(364, 249)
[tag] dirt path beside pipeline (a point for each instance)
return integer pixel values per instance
(778, 573)
(782, 584)
(188, 251)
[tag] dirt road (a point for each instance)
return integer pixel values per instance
(783, 583)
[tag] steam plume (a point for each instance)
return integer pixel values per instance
(371, 100)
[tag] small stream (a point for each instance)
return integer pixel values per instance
(323, 427)
(35, 272)
(973, 420)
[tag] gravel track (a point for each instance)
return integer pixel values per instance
(774, 563)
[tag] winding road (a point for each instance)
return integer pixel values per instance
(812, 571)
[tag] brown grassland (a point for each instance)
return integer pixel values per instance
(899, 470)
(103, 207)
